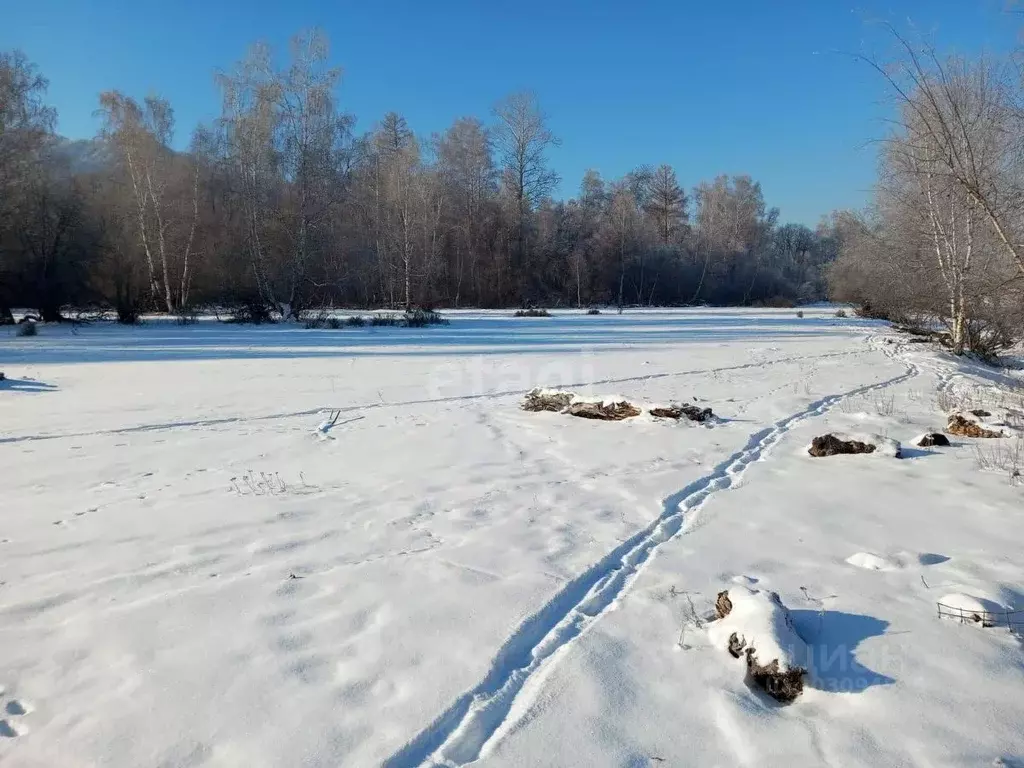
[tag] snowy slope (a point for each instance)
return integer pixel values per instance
(191, 577)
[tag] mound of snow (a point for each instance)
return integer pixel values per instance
(971, 605)
(759, 618)
(873, 562)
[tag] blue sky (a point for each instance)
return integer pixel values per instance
(732, 86)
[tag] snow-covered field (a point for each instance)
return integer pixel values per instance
(193, 574)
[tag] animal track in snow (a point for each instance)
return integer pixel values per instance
(17, 707)
(10, 729)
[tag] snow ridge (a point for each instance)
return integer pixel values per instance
(461, 733)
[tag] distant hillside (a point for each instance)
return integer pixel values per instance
(84, 155)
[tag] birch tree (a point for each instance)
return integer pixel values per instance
(141, 135)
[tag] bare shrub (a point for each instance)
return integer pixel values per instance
(1006, 456)
(254, 311)
(262, 484)
(885, 404)
(421, 318)
(532, 313)
(960, 400)
(593, 311)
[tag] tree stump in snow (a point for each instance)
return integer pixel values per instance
(755, 626)
(783, 685)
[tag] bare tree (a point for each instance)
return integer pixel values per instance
(248, 122)
(26, 124)
(311, 136)
(142, 137)
(276, 208)
(971, 114)
(467, 170)
(522, 140)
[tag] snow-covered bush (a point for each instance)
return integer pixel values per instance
(421, 318)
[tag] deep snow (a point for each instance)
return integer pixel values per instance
(198, 568)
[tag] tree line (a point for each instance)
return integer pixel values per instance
(942, 242)
(279, 206)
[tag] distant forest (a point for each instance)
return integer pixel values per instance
(279, 207)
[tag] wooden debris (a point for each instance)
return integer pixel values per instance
(958, 425)
(547, 400)
(723, 605)
(692, 412)
(604, 411)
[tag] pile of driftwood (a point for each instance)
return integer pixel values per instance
(964, 427)
(606, 409)
(556, 400)
(692, 412)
